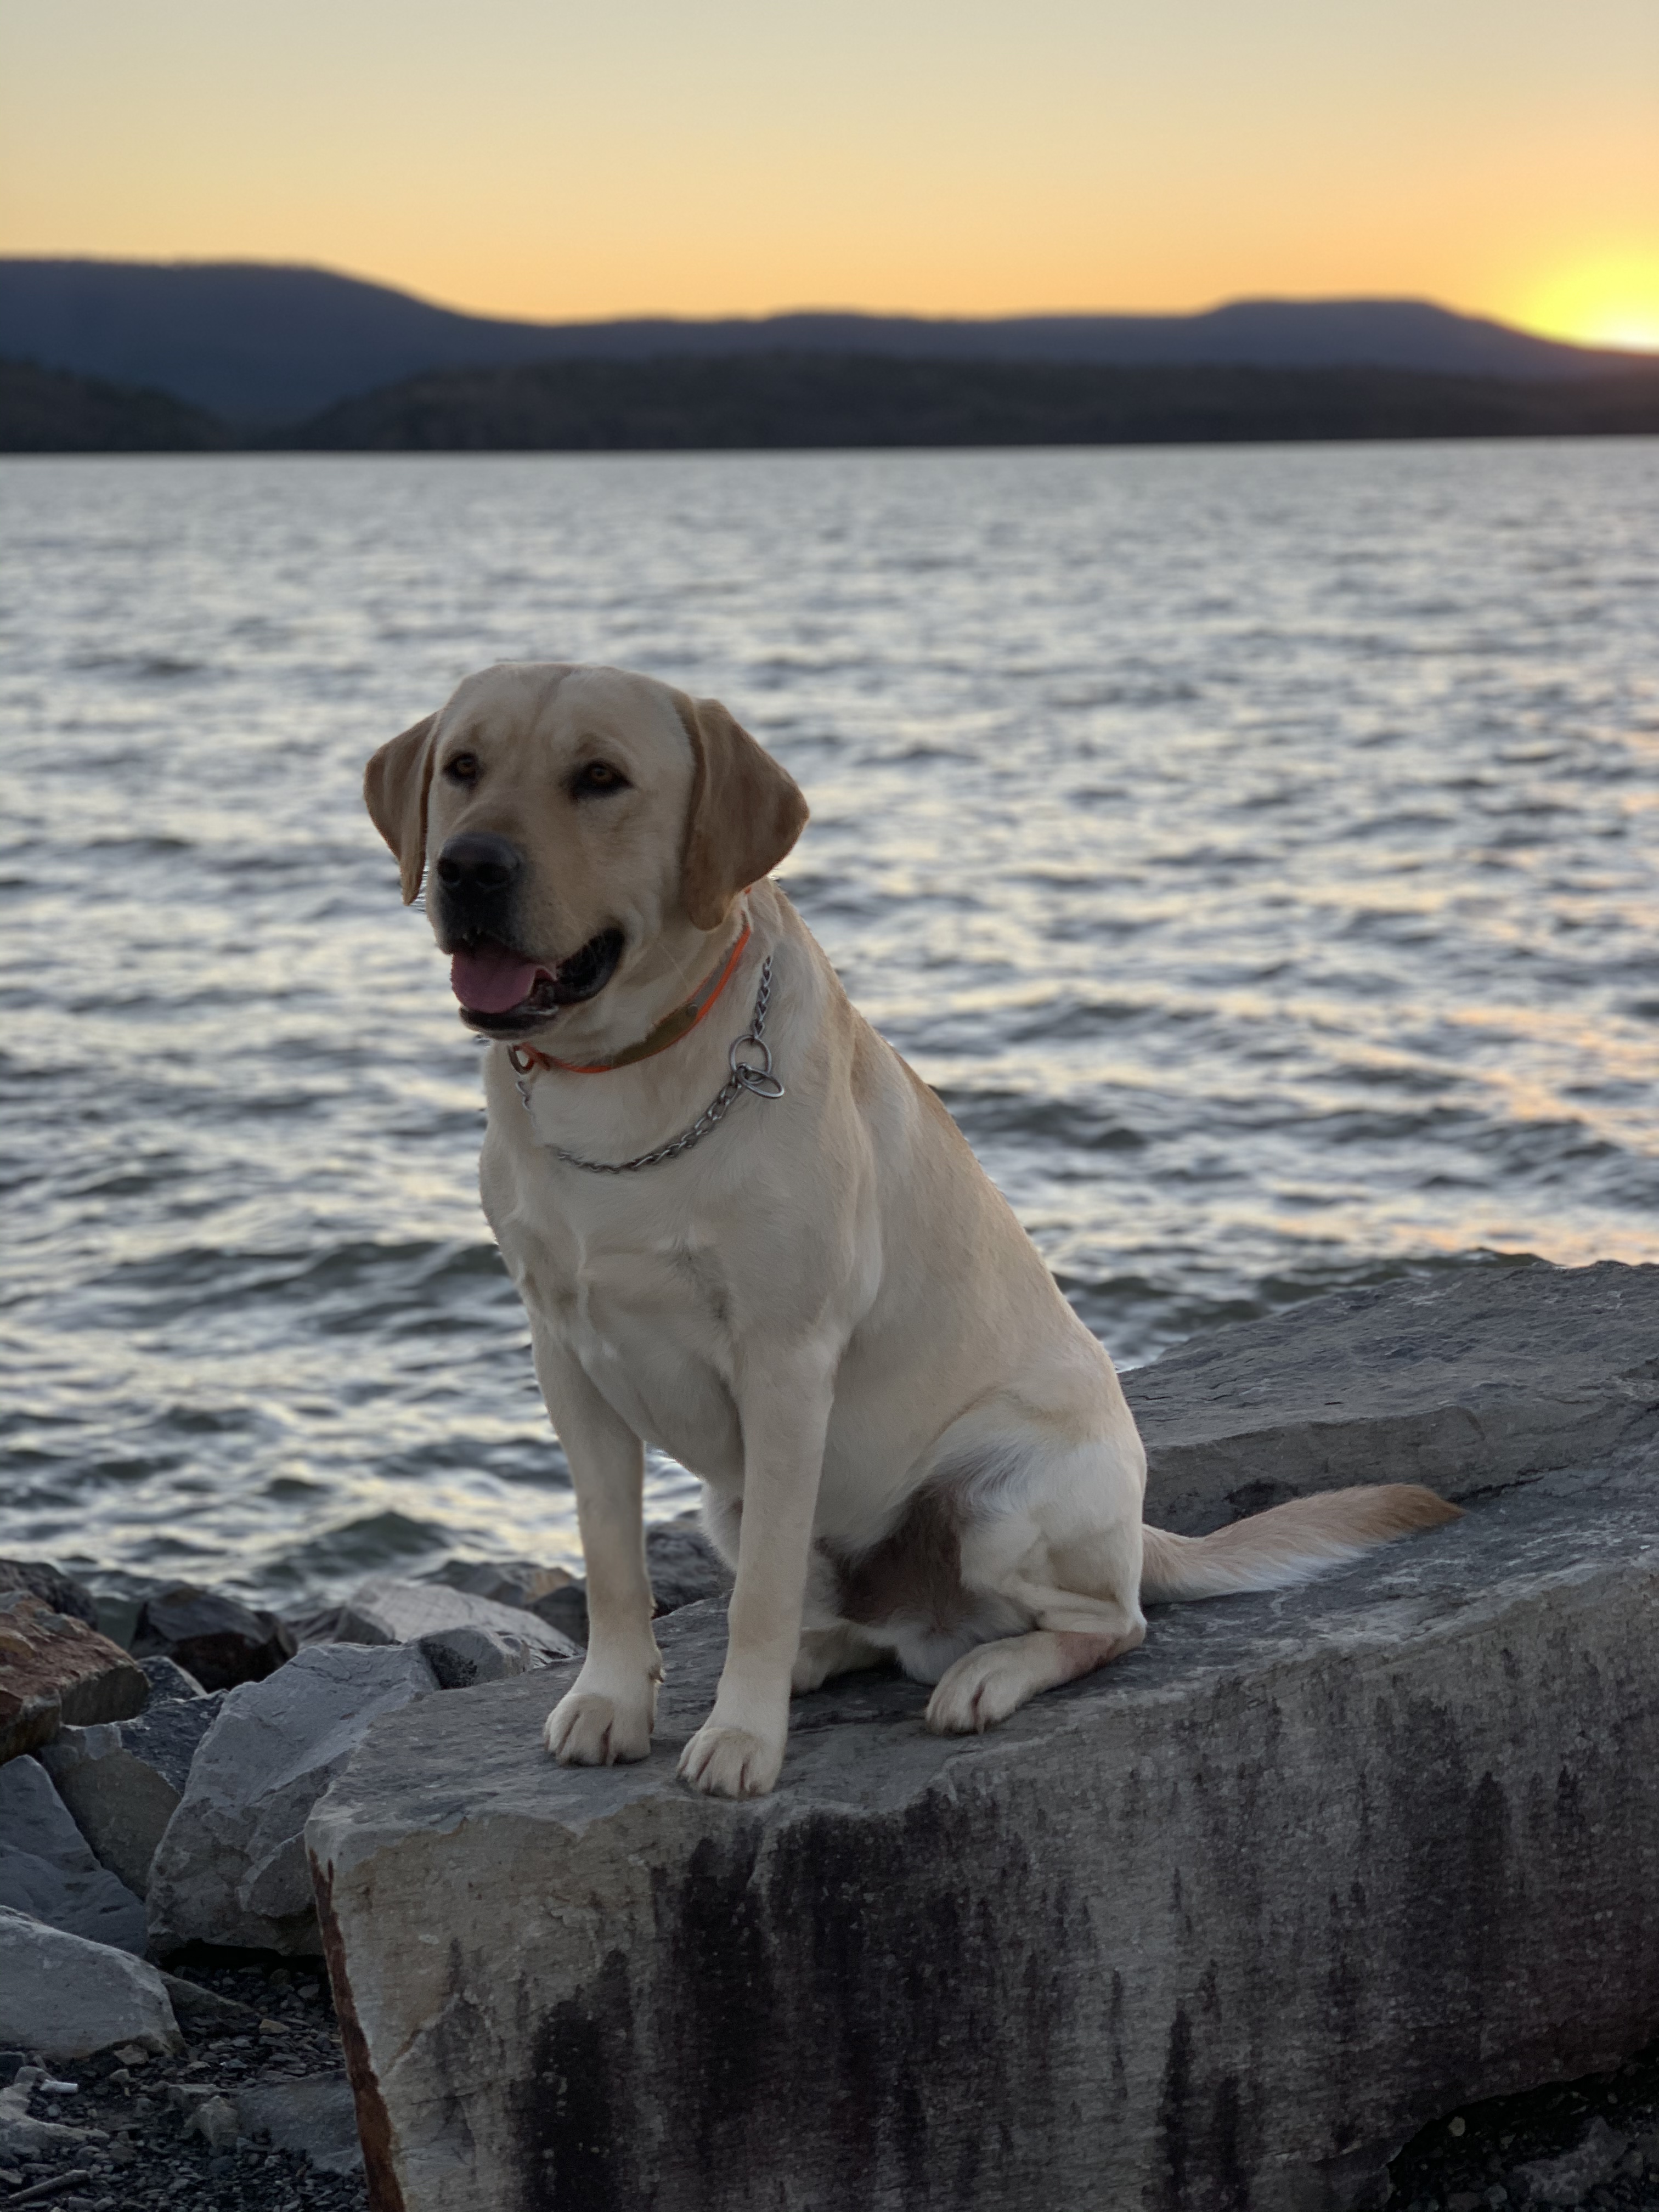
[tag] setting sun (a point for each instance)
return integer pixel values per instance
(1611, 300)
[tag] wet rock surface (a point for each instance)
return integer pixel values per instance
(1221, 1926)
(149, 2134)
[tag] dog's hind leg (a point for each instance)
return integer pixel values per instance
(994, 1679)
(1080, 1592)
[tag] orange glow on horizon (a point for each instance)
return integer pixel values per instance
(1607, 300)
(948, 157)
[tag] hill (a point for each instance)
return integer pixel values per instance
(47, 411)
(266, 344)
(807, 400)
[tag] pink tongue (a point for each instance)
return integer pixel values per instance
(491, 980)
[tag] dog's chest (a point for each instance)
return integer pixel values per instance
(650, 1320)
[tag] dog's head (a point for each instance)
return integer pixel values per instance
(575, 825)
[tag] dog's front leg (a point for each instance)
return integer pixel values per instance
(606, 1716)
(738, 1749)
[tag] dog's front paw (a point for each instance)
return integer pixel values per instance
(588, 1728)
(731, 1762)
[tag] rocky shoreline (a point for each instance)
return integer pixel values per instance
(168, 2032)
(141, 1822)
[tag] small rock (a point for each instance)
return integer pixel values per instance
(48, 1871)
(122, 1781)
(1569, 2179)
(53, 1669)
(214, 2120)
(184, 2096)
(206, 2007)
(219, 1640)
(315, 2115)
(169, 1682)
(460, 1658)
(67, 1998)
(385, 1609)
(319, 1627)
(232, 1868)
(21, 2135)
(566, 1610)
(683, 1564)
(61, 1592)
(518, 1582)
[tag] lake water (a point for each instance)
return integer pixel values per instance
(1254, 848)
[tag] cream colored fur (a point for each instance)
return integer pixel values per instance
(826, 1310)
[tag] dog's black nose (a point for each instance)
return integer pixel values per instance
(478, 861)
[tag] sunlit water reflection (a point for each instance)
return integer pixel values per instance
(1254, 848)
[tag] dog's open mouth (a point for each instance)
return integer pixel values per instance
(504, 994)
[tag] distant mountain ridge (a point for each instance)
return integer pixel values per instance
(804, 401)
(267, 345)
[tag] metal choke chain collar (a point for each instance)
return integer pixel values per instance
(754, 1076)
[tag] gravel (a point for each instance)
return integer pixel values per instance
(145, 2108)
(1473, 2160)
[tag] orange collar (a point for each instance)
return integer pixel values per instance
(668, 1031)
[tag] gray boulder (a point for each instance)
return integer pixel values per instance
(520, 1583)
(460, 1658)
(67, 1998)
(315, 2115)
(122, 1781)
(1227, 1923)
(386, 1609)
(1479, 1377)
(215, 1638)
(47, 1870)
(231, 1867)
(168, 1681)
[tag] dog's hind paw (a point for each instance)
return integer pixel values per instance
(729, 1762)
(586, 1728)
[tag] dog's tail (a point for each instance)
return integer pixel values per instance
(1288, 1543)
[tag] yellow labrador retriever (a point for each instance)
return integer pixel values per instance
(745, 1232)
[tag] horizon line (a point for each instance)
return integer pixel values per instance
(1639, 353)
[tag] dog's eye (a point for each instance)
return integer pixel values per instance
(597, 775)
(462, 768)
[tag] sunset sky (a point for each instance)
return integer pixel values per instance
(530, 158)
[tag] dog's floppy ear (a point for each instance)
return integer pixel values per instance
(395, 786)
(746, 812)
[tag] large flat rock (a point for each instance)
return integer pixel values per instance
(1219, 1928)
(1467, 1380)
